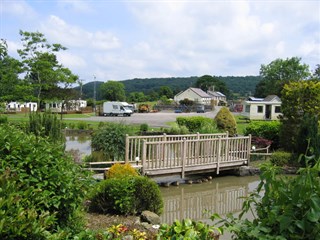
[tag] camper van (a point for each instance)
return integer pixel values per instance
(115, 109)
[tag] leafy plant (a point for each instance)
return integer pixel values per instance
(225, 121)
(144, 127)
(59, 185)
(111, 140)
(280, 158)
(265, 129)
(188, 229)
(129, 195)
(196, 123)
(82, 125)
(119, 170)
(288, 209)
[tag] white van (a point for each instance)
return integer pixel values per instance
(115, 109)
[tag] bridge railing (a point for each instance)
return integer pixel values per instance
(134, 144)
(181, 156)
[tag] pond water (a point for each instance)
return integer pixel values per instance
(220, 195)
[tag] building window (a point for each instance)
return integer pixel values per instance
(247, 109)
(260, 109)
(277, 109)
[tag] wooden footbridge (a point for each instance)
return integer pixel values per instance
(187, 154)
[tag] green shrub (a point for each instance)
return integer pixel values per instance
(188, 229)
(280, 158)
(45, 125)
(288, 209)
(226, 122)
(18, 219)
(265, 129)
(176, 130)
(82, 125)
(195, 124)
(3, 119)
(121, 170)
(59, 185)
(144, 127)
(128, 195)
(111, 140)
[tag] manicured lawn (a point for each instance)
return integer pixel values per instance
(241, 124)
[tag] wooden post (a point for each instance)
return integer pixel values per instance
(183, 158)
(144, 157)
(249, 149)
(127, 149)
(219, 154)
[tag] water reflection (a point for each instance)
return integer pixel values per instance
(79, 142)
(222, 195)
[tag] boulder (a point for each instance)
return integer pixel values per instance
(150, 217)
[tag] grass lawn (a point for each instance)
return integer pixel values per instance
(241, 124)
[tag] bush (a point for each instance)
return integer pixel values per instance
(144, 127)
(280, 158)
(126, 196)
(82, 125)
(188, 229)
(111, 140)
(288, 209)
(59, 185)
(121, 170)
(176, 130)
(268, 130)
(195, 124)
(19, 220)
(3, 119)
(225, 121)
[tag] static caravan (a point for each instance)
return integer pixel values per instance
(268, 108)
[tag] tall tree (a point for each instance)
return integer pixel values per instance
(207, 82)
(165, 91)
(113, 91)
(278, 73)
(42, 68)
(10, 69)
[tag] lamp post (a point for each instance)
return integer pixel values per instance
(94, 94)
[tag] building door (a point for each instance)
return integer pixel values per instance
(268, 112)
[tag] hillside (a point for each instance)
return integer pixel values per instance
(241, 86)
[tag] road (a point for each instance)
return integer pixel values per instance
(158, 119)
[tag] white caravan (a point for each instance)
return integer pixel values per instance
(115, 109)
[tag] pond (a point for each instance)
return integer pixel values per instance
(220, 195)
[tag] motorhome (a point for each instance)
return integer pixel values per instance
(116, 109)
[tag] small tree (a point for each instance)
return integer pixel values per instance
(226, 121)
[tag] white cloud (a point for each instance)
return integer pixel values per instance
(71, 61)
(18, 9)
(74, 36)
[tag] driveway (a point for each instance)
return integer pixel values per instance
(159, 119)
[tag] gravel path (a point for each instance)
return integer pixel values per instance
(159, 119)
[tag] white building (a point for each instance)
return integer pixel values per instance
(218, 98)
(268, 108)
(71, 105)
(18, 107)
(194, 94)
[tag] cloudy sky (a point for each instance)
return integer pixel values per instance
(119, 40)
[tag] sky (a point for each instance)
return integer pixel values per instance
(120, 40)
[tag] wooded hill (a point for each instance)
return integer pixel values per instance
(239, 86)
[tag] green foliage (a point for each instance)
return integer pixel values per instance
(119, 170)
(300, 103)
(176, 130)
(111, 140)
(225, 121)
(113, 91)
(280, 158)
(265, 129)
(45, 125)
(196, 124)
(278, 73)
(186, 102)
(82, 125)
(288, 209)
(19, 219)
(188, 229)
(129, 195)
(58, 184)
(3, 119)
(144, 127)
(206, 83)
